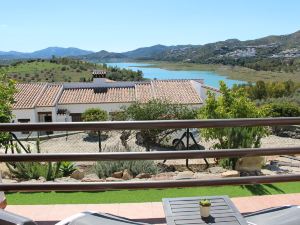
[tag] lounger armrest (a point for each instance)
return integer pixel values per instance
(73, 217)
(9, 218)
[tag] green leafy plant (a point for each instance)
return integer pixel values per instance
(232, 104)
(67, 168)
(205, 202)
(158, 110)
(7, 90)
(106, 169)
(282, 109)
(34, 170)
(95, 114)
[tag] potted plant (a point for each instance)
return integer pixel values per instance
(205, 207)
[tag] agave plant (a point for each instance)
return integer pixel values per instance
(67, 168)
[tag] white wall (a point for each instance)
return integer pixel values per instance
(80, 108)
(53, 110)
(24, 114)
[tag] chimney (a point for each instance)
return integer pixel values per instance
(99, 76)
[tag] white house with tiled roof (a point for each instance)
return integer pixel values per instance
(65, 102)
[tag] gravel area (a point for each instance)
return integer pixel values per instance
(82, 142)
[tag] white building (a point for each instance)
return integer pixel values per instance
(65, 102)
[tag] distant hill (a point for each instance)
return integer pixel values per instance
(147, 52)
(272, 53)
(283, 46)
(103, 56)
(62, 70)
(45, 53)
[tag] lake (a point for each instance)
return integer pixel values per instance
(210, 78)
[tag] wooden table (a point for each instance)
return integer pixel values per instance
(185, 211)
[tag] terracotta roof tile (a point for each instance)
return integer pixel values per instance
(211, 88)
(42, 94)
(176, 91)
(50, 95)
(97, 95)
(144, 92)
(27, 95)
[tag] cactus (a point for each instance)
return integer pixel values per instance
(38, 148)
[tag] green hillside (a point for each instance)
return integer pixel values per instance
(276, 54)
(63, 70)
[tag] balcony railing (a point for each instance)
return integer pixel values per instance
(137, 125)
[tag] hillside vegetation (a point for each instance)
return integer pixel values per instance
(63, 70)
(272, 54)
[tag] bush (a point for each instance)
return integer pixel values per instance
(34, 170)
(282, 109)
(106, 169)
(95, 114)
(67, 168)
(157, 110)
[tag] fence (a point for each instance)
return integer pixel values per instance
(131, 125)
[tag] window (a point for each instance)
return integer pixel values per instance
(24, 121)
(76, 117)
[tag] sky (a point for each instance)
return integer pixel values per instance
(122, 25)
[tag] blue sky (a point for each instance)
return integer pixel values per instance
(121, 25)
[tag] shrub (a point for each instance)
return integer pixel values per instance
(67, 168)
(95, 114)
(157, 110)
(34, 170)
(282, 109)
(106, 169)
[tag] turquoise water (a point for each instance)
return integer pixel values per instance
(210, 78)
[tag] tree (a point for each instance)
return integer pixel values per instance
(7, 90)
(95, 114)
(158, 110)
(260, 90)
(231, 104)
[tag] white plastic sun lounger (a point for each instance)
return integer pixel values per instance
(84, 218)
(284, 215)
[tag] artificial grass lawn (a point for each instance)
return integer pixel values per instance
(150, 195)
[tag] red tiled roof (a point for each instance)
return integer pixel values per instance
(144, 92)
(211, 88)
(177, 91)
(49, 96)
(97, 95)
(27, 95)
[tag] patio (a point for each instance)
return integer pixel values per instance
(151, 212)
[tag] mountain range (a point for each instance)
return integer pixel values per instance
(45, 53)
(270, 47)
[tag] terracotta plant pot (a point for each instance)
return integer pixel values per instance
(204, 211)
